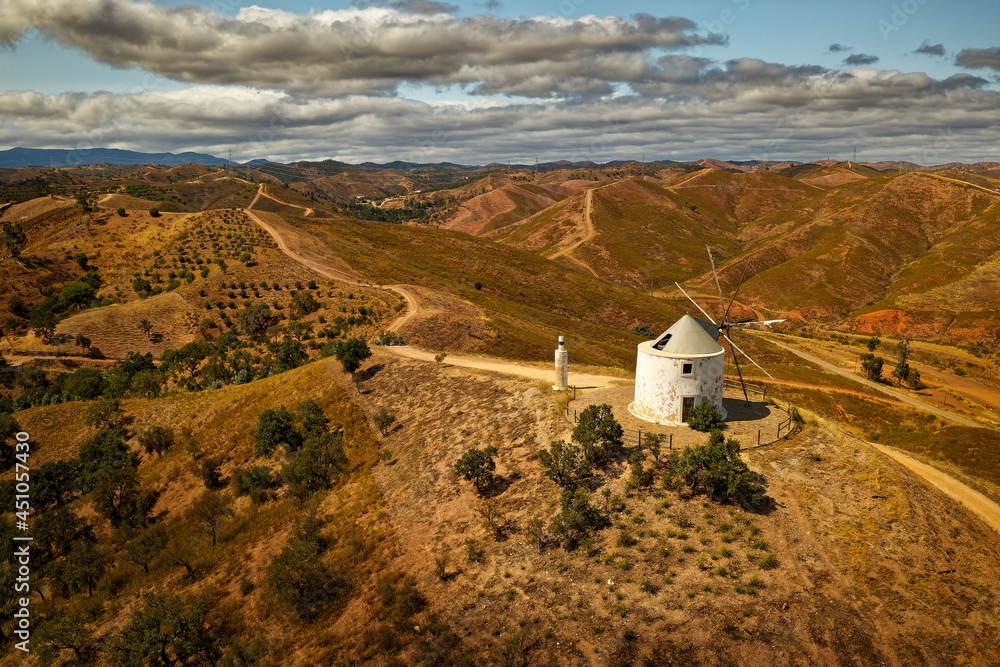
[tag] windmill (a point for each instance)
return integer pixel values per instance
(726, 325)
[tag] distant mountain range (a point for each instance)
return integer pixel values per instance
(15, 158)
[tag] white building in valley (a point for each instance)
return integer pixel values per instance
(678, 370)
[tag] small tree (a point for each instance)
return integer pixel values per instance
(705, 417)
(902, 370)
(577, 518)
(210, 508)
(146, 327)
(276, 427)
(210, 474)
(154, 212)
(872, 343)
(384, 421)
(439, 357)
(157, 439)
(351, 353)
(564, 463)
(600, 435)
(872, 366)
(121, 211)
(13, 238)
(913, 378)
(145, 548)
(82, 342)
(494, 517)
(536, 532)
(477, 466)
(105, 413)
(653, 443)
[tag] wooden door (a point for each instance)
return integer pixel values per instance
(686, 404)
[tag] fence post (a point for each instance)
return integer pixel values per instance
(639, 442)
(671, 441)
(574, 416)
(758, 437)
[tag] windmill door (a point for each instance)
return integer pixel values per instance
(686, 404)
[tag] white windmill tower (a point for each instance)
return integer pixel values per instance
(685, 365)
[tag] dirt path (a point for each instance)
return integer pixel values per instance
(980, 505)
(995, 193)
(885, 390)
(579, 380)
(589, 231)
(329, 270)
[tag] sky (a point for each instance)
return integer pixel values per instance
(498, 80)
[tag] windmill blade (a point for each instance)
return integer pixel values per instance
(696, 304)
(747, 356)
(764, 322)
(722, 302)
(725, 313)
(736, 360)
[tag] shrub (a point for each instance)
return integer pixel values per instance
(705, 417)
(154, 212)
(477, 466)
(716, 469)
(121, 211)
(576, 518)
(599, 434)
(564, 464)
(210, 474)
(157, 439)
(384, 421)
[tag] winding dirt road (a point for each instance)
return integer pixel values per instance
(979, 504)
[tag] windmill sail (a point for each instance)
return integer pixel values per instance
(726, 324)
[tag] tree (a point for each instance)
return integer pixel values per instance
(146, 327)
(440, 357)
(121, 211)
(84, 566)
(653, 443)
(144, 549)
(705, 417)
(82, 342)
(536, 531)
(872, 366)
(158, 439)
(299, 329)
(494, 517)
(77, 293)
(564, 463)
(351, 353)
(119, 497)
(312, 418)
(254, 320)
(154, 212)
(299, 577)
(600, 435)
(477, 466)
(66, 631)
(8, 429)
(902, 370)
(716, 469)
(304, 303)
(275, 427)
(14, 239)
(576, 518)
(872, 343)
(210, 508)
(106, 413)
(384, 420)
(167, 630)
(43, 322)
(210, 474)
(913, 378)
(87, 202)
(315, 466)
(643, 330)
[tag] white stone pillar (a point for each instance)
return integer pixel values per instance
(562, 366)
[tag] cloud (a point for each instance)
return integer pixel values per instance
(930, 49)
(369, 50)
(860, 59)
(979, 58)
(411, 6)
(716, 110)
(838, 48)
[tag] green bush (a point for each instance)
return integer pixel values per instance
(705, 417)
(477, 466)
(717, 470)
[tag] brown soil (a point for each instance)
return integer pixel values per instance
(873, 566)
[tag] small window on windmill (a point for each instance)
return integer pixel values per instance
(688, 369)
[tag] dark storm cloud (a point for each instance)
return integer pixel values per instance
(838, 48)
(979, 58)
(860, 59)
(930, 49)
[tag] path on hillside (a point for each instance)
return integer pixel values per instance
(995, 193)
(589, 232)
(874, 385)
(980, 505)
(325, 268)
(579, 380)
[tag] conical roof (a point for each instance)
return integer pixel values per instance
(689, 336)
